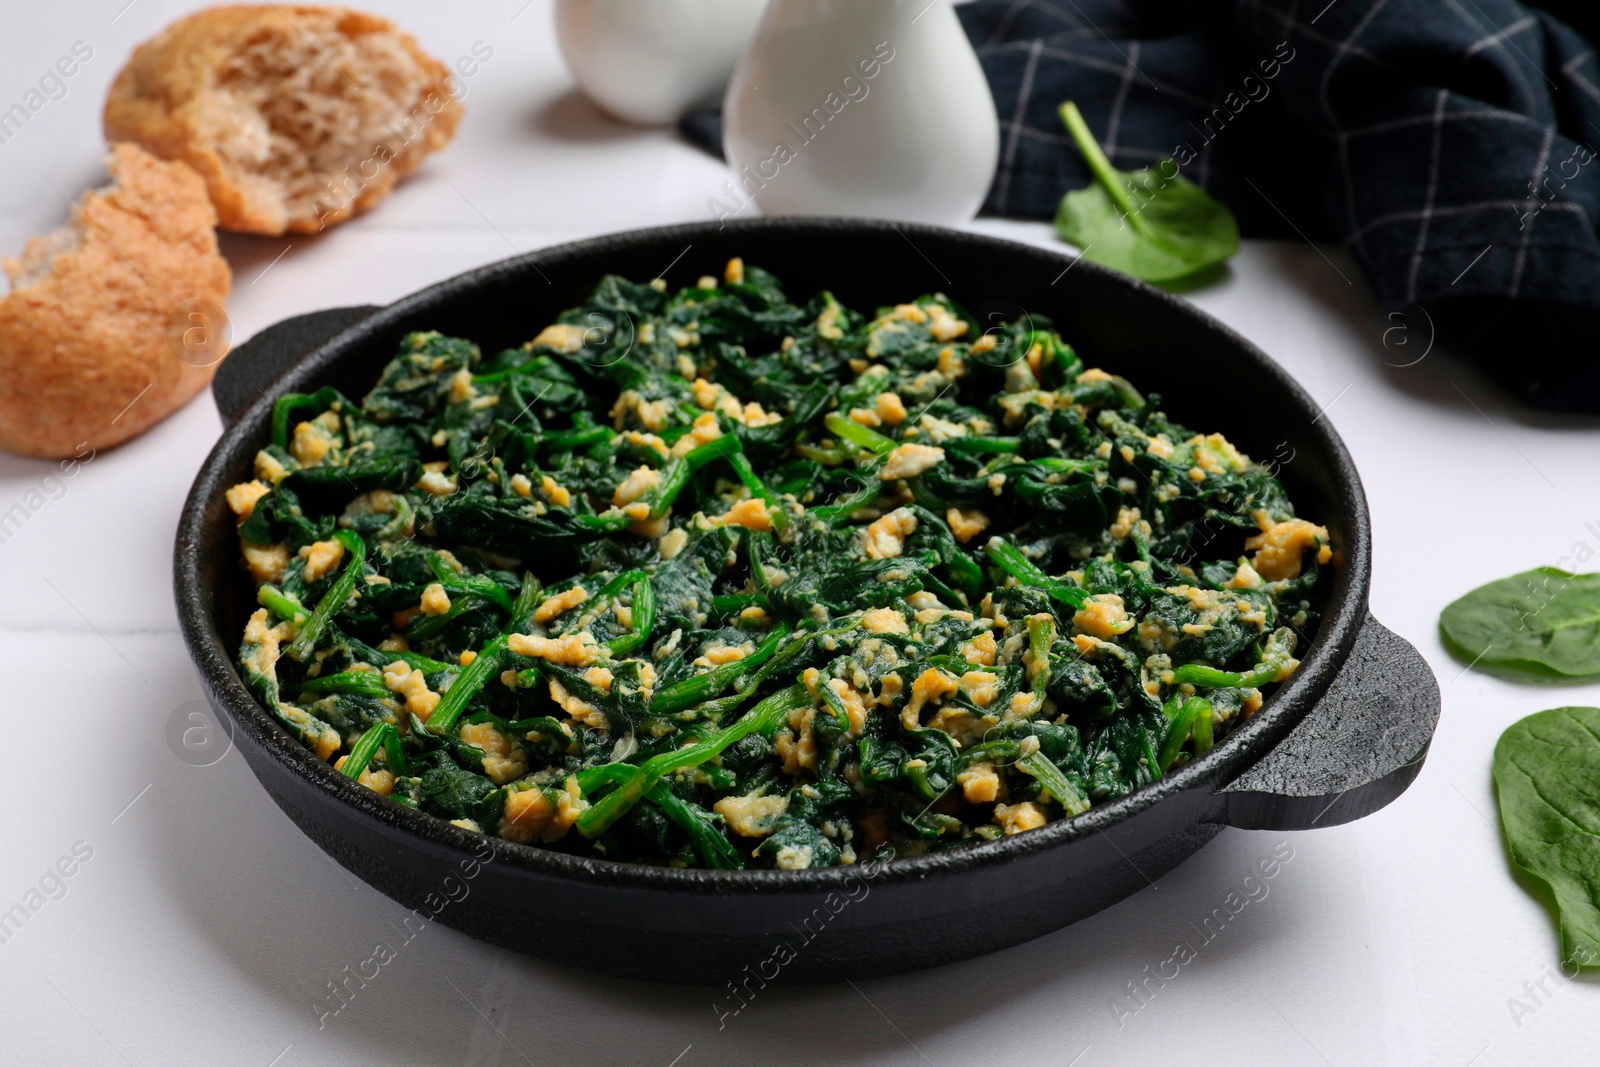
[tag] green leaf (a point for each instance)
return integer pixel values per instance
(1541, 624)
(1546, 770)
(1152, 224)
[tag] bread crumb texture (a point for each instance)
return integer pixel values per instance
(84, 328)
(298, 117)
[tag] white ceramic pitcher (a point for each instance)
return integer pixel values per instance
(649, 61)
(874, 108)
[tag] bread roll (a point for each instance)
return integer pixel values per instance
(297, 117)
(84, 332)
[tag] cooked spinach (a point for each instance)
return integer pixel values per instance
(1545, 769)
(1153, 225)
(1542, 624)
(716, 579)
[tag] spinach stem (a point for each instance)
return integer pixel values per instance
(1202, 735)
(305, 642)
(691, 691)
(1054, 781)
(418, 662)
(472, 678)
(1179, 729)
(713, 849)
(644, 616)
(1009, 558)
(280, 603)
(476, 674)
(776, 512)
(864, 496)
(734, 603)
(983, 444)
(1104, 172)
(360, 683)
(858, 434)
(365, 748)
(1211, 678)
(475, 584)
(763, 718)
(674, 477)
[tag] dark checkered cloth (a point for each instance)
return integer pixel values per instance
(1445, 143)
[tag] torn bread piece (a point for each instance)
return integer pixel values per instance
(85, 327)
(298, 117)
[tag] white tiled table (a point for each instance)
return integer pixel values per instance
(204, 924)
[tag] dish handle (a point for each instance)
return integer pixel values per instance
(1357, 750)
(250, 369)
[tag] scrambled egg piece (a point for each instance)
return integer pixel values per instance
(981, 650)
(652, 414)
(242, 497)
(1245, 577)
(374, 778)
(979, 783)
(502, 760)
(885, 538)
(908, 461)
(1279, 546)
(435, 601)
(581, 710)
(931, 686)
(884, 621)
(1215, 454)
(574, 650)
(942, 325)
(966, 524)
(703, 431)
(1015, 818)
(312, 441)
(751, 514)
(890, 408)
(717, 655)
(266, 563)
(751, 816)
(322, 558)
(636, 485)
(672, 542)
(435, 481)
(564, 601)
(401, 680)
(855, 707)
(796, 745)
(1103, 615)
(530, 813)
(981, 686)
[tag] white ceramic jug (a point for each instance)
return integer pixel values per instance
(872, 108)
(649, 61)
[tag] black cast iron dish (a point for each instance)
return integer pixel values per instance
(1344, 737)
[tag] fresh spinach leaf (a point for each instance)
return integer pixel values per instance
(1545, 770)
(1542, 624)
(1156, 227)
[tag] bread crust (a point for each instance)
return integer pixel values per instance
(172, 98)
(86, 356)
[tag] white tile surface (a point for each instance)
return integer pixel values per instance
(204, 925)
